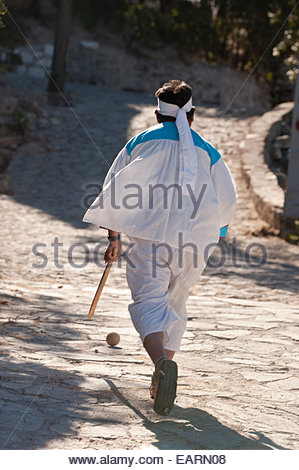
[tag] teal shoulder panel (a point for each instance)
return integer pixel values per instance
(203, 144)
(163, 131)
(223, 231)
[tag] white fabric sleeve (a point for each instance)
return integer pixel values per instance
(225, 189)
(118, 164)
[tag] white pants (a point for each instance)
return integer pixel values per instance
(159, 282)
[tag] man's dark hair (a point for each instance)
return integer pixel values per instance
(174, 92)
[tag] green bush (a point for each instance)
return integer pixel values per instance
(293, 235)
(141, 24)
(186, 25)
(10, 35)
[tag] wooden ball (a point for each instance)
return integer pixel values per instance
(113, 338)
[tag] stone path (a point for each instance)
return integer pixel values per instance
(61, 385)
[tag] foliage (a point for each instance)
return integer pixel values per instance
(293, 235)
(287, 49)
(143, 25)
(3, 10)
(252, 36)
(259, 35)
(9, 33)
(186, 26)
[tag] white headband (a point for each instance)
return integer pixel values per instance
(168, 109)
(188, 156)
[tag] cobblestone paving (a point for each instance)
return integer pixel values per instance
(61, 385)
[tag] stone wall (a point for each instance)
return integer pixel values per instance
(35, 60)
(266, 193)
(277, 148)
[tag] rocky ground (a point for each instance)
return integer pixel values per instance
(61, 385)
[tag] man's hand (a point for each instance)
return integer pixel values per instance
(113, 252)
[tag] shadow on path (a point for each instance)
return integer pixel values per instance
(197, 430)
(37, 404)
(64, 181)
(40, 404)
(258, 262)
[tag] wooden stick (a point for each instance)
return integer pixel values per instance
(99, 291)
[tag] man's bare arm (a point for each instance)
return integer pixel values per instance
(113, 251)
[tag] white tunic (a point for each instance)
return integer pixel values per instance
(142, 197)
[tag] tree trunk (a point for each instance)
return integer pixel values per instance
(63, 29)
